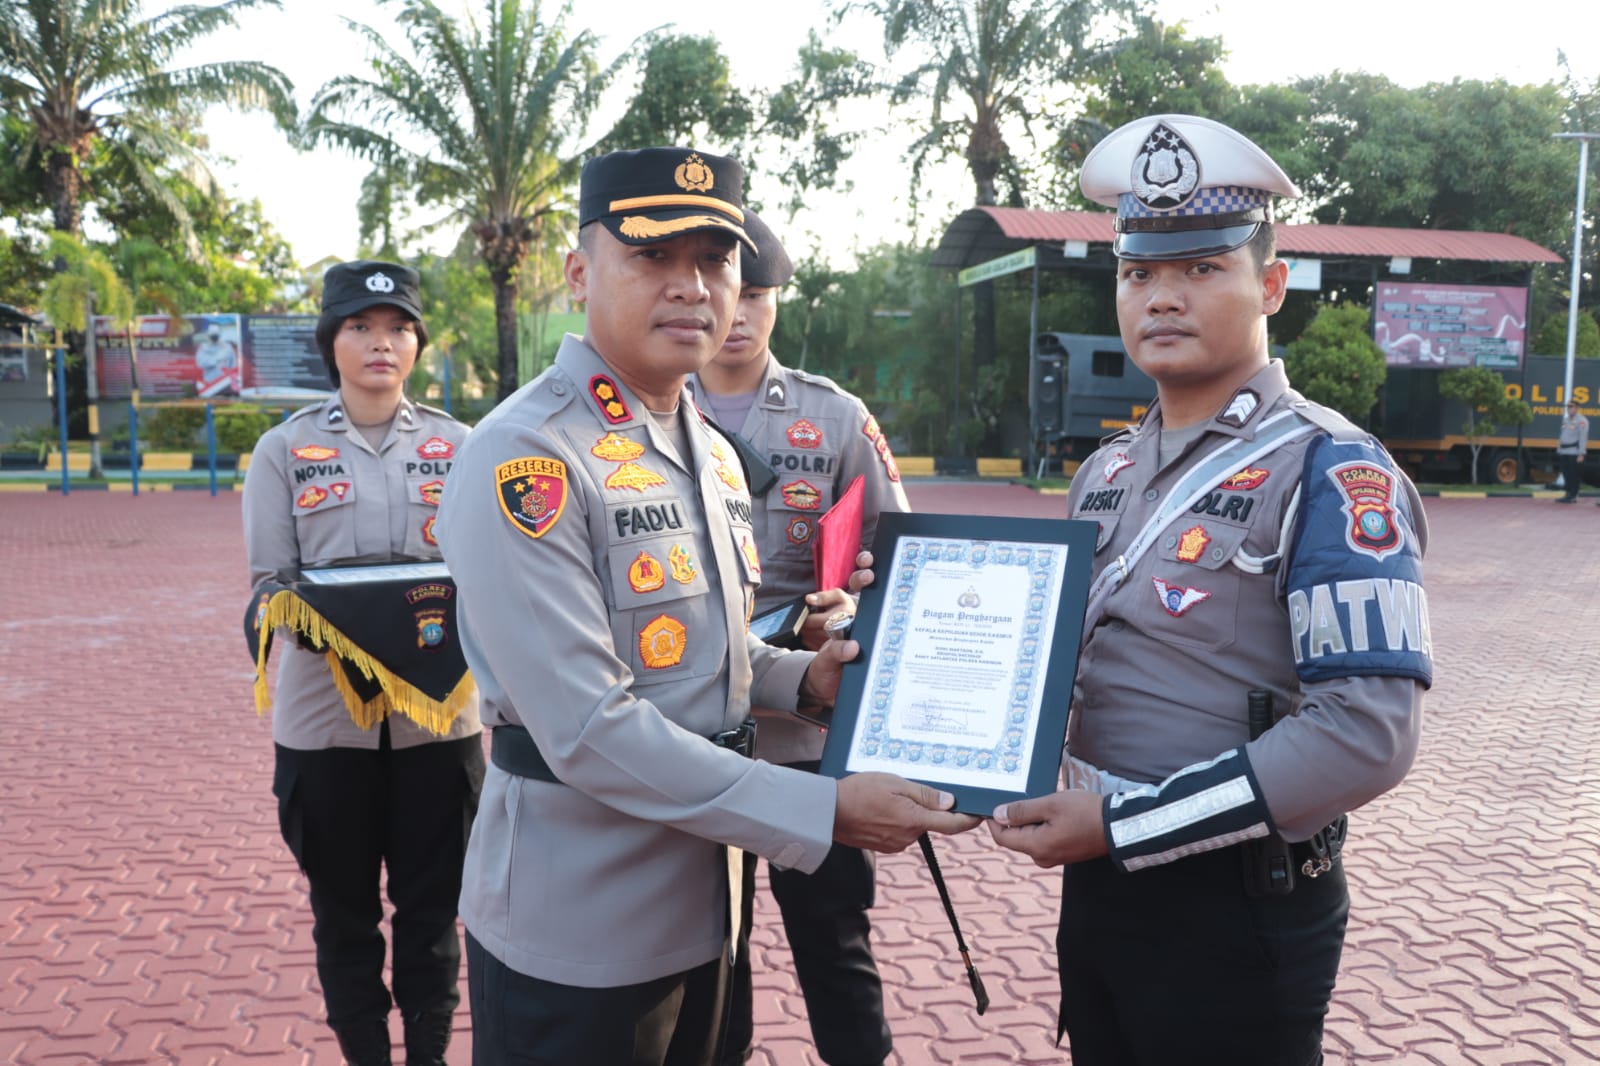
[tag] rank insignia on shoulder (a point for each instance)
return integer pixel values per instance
(609, 398)
(1192, 544)
(1368, 491)
(751, 556)
(427, 532)
(683, 571)
(533, 493)
(615, 449)
(1118, 462)
(1240, 408)
(661, 642)
(646, 575)
(802, 496)
(435, 448)
(1250, 477)
(311, 497)
(315, 453)
(431, 492)
(1176, 599)
(870, 428)
(339, 488)
(804, 434)
(776, 393)
(430, 628)
(631, 475)
(799, 531)
(730, 477)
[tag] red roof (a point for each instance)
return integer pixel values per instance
(980, 233)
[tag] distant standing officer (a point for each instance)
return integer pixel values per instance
(1570, 450)
(357, 479)
(818, 438)
(601, 537)
(1258, 558)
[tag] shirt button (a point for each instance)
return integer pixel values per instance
(1152, 495)
(1172, 542)
(1116, 627)
(1216, 553)
(559, 389)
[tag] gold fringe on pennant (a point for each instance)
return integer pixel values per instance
(436, 716)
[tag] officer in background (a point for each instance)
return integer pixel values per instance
(1259, 557)
(1570, 450)
(357, 479)
(601, 537)
(818, 438)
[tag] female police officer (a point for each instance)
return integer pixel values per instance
(358, 479)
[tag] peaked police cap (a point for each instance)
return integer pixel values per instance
(363, 283)
(655, 194)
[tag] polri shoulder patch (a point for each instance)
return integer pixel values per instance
(1369, 493)
(609, 399)
(533, 493)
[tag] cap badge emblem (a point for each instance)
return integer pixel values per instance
(693, 174)
(380, 282)
(1165, 172)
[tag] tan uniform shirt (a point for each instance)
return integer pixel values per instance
(317, 494)
(605, 583)
(1205, 616)
(818, 438)
(1574, 435)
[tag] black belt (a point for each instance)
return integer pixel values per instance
(513, 750)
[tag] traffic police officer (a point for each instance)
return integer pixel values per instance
(817, 438)
(602, 542)
(357, 479)
(1258, 556)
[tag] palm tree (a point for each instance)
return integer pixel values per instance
(483, 124)
(990, 64)
(91, 78)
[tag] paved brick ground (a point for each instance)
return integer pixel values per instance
(149, 913)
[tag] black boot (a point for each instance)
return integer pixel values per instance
(364, 1043)
(427, 1035)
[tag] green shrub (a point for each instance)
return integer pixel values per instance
(238, 428)
(171, 429)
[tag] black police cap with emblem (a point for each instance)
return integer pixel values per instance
(1183, 186)
(363, 283)
(770, 266)
(653, 194)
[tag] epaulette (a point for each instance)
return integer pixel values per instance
(1326, 419)
(432, 410)
(307, 411)
(822, 382)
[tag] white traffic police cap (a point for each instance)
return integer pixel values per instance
(1183, 186)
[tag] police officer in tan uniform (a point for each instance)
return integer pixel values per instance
(601, 538)
(358, 479)
(817, 438)
(1258, 560)
(1572, 446)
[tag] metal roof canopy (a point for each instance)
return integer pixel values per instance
(981, 234)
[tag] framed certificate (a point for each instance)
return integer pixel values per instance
(969, 646)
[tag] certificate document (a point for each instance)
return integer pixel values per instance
(955, 680)
(968, 652)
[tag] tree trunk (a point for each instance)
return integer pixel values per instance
(505, 330)
(65, 184)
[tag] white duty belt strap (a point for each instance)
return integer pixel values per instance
(1271, 434)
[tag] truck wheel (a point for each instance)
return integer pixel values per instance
(1505, 467)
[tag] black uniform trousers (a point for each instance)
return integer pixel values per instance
(825, 920)
(1571, 475)
(519, 1020)
(347, 812)
(1176, 963)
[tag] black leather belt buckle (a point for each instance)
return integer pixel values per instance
(741, 739)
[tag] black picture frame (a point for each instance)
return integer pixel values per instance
(780, 626)
(1011, 538)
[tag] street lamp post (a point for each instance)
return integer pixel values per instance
(1583, 140)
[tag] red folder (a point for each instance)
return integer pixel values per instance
(833, 553)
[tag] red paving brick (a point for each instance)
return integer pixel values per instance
(150, 914)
